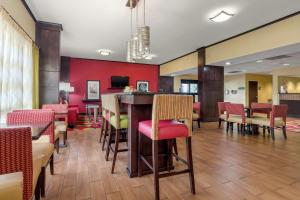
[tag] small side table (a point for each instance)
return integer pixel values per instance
(89, 108)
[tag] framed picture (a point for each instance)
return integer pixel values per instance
(92, 90)
(142, 86)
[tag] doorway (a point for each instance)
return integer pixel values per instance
(253, 92)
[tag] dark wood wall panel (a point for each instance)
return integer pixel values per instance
(210, 88)
(48, 39)
(166, 84)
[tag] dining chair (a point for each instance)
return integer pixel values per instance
(235, 113)
(61, 113)
(118, 125)
(17, 155)
(197, 112)
(45, 144)
(222, 112)
(167, 110)
(277, 119)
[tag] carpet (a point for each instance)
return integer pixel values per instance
(84, 122)
(293, 126)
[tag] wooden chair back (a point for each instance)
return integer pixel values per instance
(171, 107)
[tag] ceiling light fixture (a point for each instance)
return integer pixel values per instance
(259, 61)
(104, 52)
(221, 16)
(228, 63)
(150, 56)
(138, 46)
(286, 64)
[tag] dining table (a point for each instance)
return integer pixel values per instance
(37, 129)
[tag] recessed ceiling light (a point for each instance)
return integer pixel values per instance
(104, 52)
(221, 17)
(228, 63)
(286, 64)
(259, 61)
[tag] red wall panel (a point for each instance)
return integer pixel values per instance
(82, 70)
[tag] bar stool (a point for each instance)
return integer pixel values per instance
(167, 109)
(117, 126)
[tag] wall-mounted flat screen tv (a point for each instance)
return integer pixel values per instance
(119, 81)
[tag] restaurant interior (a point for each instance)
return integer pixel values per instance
(139, 99)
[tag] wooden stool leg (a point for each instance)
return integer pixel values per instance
(190, 163)
(116, 150)
(65, 137)
(52, 165)
(199, 126)
(108, 144)
(155, 168)
(102, 130)
(107, 130)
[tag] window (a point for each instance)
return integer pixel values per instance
(189, 86)
(16, 67)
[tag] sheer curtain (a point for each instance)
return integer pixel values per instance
(16, 67)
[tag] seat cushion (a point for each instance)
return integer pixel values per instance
(37, 164)
(56, 134)
(11, 186)
(264, 121)
(61, 126)
(222, 116)
(195, 115)
(44, 149)
(167, 129)
(238, 119)
(123, 121)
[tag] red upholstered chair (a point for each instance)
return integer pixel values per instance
(16, 156)
(261, 108)
(73, 112)
(167, 110)
(197, 112)
(61, 118)
(222, 112)
(277, 120)
(235, 113)
(46, 142)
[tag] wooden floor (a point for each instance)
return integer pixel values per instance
(226, 167)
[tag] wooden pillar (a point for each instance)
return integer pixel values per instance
(210, 88)
(48, 39)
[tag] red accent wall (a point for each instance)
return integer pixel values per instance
(82, 70)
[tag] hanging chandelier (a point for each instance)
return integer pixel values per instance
(138, 46)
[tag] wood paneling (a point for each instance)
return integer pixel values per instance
(166, 84)
(210, 88)
(48, 39)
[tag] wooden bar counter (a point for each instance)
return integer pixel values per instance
(293, 102)
(139, 108)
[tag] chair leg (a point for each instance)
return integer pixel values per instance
(175, 148)
(231, 129)
(139, 155)
(220, 122)
(65, 137)
(116, 150)
(227, 126)
(106, 134)
(273, 133)
(155, 168)
(108, 144)
(198, 123)
(52, 164)
(238, 128)
(264, 130)
(43, 181)
(284, 132)
(190, 164)
(57, 145)
(37, 191)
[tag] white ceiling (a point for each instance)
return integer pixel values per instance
(177, 26)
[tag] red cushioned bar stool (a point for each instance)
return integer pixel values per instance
(163, 126)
